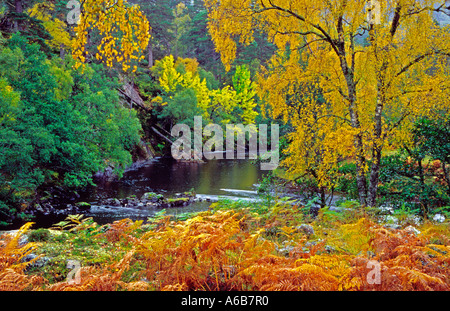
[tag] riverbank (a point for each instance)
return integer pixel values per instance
(112, 200)
(233, 246)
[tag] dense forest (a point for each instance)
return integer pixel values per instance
(67, 90)
(87, 88)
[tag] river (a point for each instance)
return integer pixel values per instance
(233, 179)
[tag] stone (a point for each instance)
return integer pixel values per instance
(412, 230)
(83, 206)
(310, 243)
(285, 249)
(178, 202)
(307, 229)
(23, 240)
(40, 262)
(38, 208)
(386, 209)
(132, 202)
(390, 221)
(439, 218)
(414, 219)
(329, 248)
(153, 197)
(392, 226)
(336, 209)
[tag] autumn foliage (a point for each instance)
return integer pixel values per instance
(124, 31)
(12, 276)
(350, 87)
(244, 250)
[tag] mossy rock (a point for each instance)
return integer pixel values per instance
(177, 202)
(151, 196)
(83, 206)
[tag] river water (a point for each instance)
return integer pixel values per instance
(233, 179)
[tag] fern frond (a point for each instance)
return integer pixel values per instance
(413, 279)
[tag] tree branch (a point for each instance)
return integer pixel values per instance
(420, 58)
(323, 32)
(396, 20)
(334, 116)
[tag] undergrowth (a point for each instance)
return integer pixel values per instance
(233, 246)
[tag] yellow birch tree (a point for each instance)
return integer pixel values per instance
(123, 28)
(375, 71)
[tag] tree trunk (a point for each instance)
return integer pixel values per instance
(360, 176)
(18, 5)
(422, 185)
(19, 10)
(446, 176)
(357, 141)
(150, 53)
(62, 52)
(348, 72)
(378, 120)
(323, 197)
(374, 177)
(376, 151)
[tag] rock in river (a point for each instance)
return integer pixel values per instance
(84, 206)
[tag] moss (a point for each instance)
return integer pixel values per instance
(175, 200)
(39, 235)
(83, 205)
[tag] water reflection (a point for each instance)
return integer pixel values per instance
(164, 175)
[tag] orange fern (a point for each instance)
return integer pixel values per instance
(12, 266)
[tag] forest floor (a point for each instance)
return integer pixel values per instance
(233, 246)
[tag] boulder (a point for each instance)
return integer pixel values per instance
(38, 263)
(131, 201)
(285, 251)
(116, 202)
(392, 226)
(111, 202)
(152, 197)
(439, 218)
(390, 222)
(43, 209)
(412, 230)
(178, 202)
(306, 229)
(84, 206)
(335, 209)
(385, 209)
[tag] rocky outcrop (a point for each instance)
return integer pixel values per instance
(49, 207)
(151, 199)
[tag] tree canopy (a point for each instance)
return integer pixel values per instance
(58, 125)
(346, 98)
